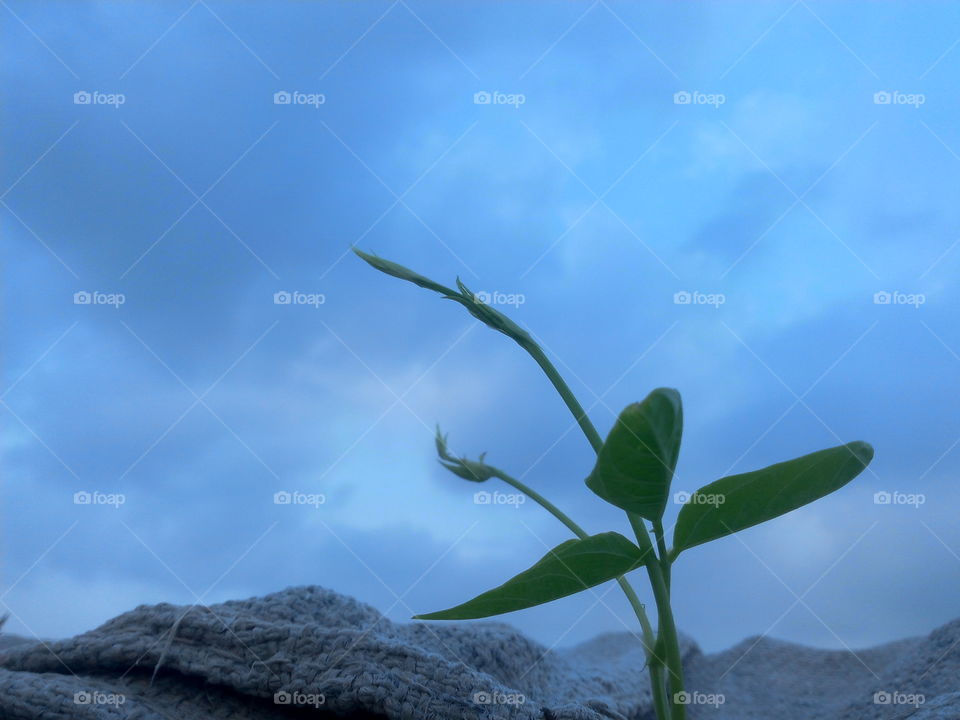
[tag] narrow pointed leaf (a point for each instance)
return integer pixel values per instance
(736, 502)
(489, 316)
(569, 568)
(636, 463)
(391, 268)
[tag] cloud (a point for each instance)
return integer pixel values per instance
(295, 387)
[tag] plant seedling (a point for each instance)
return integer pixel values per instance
(633, 471)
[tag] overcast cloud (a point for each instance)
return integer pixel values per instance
(816, 164)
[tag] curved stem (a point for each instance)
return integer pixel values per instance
(648, 636)
(655, 663)
(656, 567)
(576, 409)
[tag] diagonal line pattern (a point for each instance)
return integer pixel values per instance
(39, 439)
(239, 39)
(400, 199)
(38, 360)
(799, 600)
(199, 200)
(359, 39)
(37, 161)
(398, 598)
(198, 599)
(39, 39)
(398, 399)
(198, 399)
(557, 41)
(599, 199)
(799, 199)
(39, 240)
(162, 36)
(759, 39)
(439, 40)
(799, 399)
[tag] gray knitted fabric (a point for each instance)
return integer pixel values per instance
(309, 652)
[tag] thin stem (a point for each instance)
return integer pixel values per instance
(655, 663)
(662, 552)
(659, 691)
(665, 709)
(665, 621)
(671, 641)
(542, 501)
(648, 637)
(576, 409)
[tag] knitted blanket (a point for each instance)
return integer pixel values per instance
(309, 652)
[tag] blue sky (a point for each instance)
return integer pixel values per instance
(816, 165)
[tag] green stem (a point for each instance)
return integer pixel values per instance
(655, 660)
(665, 710)
(665, 621)
(671, 641)
(576, 409)
(662, 552)
(648, 637)
(655, 663)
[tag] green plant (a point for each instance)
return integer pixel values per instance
(633, 471)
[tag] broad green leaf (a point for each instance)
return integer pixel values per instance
(733, 503)
(636, 463)
(569, 568)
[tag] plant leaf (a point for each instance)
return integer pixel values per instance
(569, 568)
(491, 317)
(733, 503)
(391, 268)
(636, 463)
(472, 470)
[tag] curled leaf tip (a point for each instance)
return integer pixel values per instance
(472, 470)
(399, 271)
(486, 314)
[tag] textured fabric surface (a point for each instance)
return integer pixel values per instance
(310, 652)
